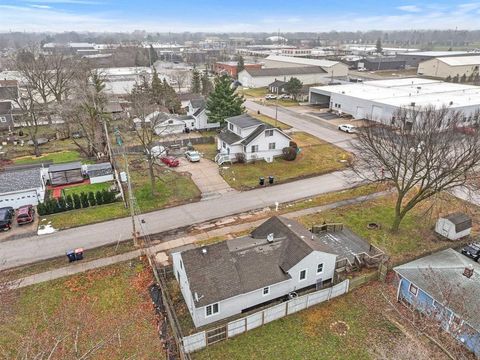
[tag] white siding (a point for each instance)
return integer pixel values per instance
(21, 198)
(101, 179)
(262, 142)
(263, 81)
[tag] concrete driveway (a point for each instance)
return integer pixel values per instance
(206, 176)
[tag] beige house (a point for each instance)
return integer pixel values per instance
(444, 67)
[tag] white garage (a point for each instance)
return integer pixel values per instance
(20, 187)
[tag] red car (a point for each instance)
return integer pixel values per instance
(170, 161)
(25, 214)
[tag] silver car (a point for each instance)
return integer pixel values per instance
(192, 156)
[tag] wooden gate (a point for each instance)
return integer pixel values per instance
(216, 335)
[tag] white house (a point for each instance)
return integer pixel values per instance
(20, 187)
(454, 226)
(250, 138)
(279, 257)
(196, 108)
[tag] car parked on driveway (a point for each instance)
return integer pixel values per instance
(347, 128)
(25, 215)
(472, 251)
(6, 216)
(192, 156)
(270, 97)
(170, 161)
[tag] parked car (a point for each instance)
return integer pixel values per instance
(270, 97)
(25, 215)
(285, 96)
(192, 156)
(170, 161)
(467, 130)
(347, 128)
(6, 216)
(472, 251)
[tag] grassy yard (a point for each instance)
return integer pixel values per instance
(280, 102)
(208, 150)
(86, 188)
(56, 157)
(355, 326)
(254, 92)
(316, 157)
(110, 307)
(416, 236)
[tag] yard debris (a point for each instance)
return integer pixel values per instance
(46, 229)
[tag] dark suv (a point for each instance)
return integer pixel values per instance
(6, 216)
(472, 251)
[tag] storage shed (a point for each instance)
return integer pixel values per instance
(99, 173)
(454, 226)
(63, 174)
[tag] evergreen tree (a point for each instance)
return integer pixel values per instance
(91, 198)
(84, 200)
(153, 55)
(207, 86)
(76, 201)
(69, 202)
(157, 89)
(463, 78)
(294, 87)
(99, 198)
(62, 204)
(196, 86)
(223, 102)
(378, 46)
(172, 102)
(240, 64)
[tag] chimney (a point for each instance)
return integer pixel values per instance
(468, 271)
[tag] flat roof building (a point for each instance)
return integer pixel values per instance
(413, 59)
(332, 68)
(379, 100)
(458, 67)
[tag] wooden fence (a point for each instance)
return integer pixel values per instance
(202, 339)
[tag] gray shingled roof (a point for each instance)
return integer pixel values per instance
(286, 71)
(198, 103)
(229, 137)
(65, 167)
(101, 169)
(16, 180)
(441, 273)
(460, 220)
(244, 121)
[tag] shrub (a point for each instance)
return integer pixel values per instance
(69, 202)
(289, 153)
(241, 158)
(76, 201)
(293, 144)
(84, 200)
(51, 205)
(99, 198)
(42, 209)
(62, 204)
(91, 198)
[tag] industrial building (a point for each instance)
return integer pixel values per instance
(332, 68)
(450, 67)
(308, 75)
(379, 100)
(413, 59)
(231, 67)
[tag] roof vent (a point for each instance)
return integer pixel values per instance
(204, 250)
(270, 237)
(451, 103)
(289, 225)
(468, 271)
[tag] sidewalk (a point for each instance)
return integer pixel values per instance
(77, 268)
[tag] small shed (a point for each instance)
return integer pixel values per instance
(454, 226)
(62, 174)
(99, 173)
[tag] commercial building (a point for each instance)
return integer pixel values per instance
(308, 75)
(230, 68)
(332, 68)
(413, 59)
(379, 100)
(450, 67)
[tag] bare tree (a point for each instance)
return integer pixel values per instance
(62, 72)
(181, 77)
(422, 152)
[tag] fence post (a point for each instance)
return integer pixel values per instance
(246, 323)
(263, 317)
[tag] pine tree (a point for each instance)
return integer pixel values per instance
(69, 202)
(378, 46)
(76, 201)
(153, 55)
(62, 204)
(91, 198)
(207, 86)
(223, 102)
(240, 64)
(157, 89)
(196, 86)
(172, 102)
(99, 198)
(84, 200)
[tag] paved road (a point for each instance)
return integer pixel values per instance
(31, 249)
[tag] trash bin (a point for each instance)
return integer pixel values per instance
(79, 254)
(261, 181)
(270, 180)
(71, 255)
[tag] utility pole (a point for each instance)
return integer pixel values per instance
(276, 108)
(131, 202)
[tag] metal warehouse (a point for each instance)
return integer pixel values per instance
(379, 100)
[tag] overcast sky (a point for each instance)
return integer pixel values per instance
(235, 16)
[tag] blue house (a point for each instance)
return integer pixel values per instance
(446, 287)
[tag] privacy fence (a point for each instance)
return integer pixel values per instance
(202, 339)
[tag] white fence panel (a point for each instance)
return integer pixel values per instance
(194, 342)
(318, 297)
(236, 327)
(297, 304)
(254, 320)
(274, 313)
(339, 289)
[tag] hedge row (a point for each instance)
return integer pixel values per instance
(76, 201)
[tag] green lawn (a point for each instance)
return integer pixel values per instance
(109, 306)
(255, 92)
(209, 151)
(316, 157)
(86, 188)
(354, 326)
(56, 157)
(416, 236)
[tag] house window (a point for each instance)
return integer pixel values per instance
(303, 275)
(266, 291)
(230, 127)
(319, 268)
(211, 309)
(3, 119)
(269, 132)
(271, 146)
(413, 290)
(170, 121)
(254, 148)
(181, 264)
(224, 145)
